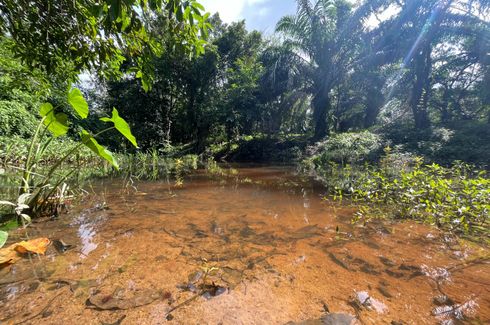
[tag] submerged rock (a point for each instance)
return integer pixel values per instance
(61, 246)
(365, 300)
(329, 319)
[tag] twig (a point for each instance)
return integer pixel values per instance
(185, 303)
(42, 310)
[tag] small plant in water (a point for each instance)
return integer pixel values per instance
(455, 198)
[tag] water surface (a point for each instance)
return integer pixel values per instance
(258, 247)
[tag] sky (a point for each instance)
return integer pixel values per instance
(261, 15)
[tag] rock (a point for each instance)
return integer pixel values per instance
(61, 246)
(339, 319)
(329, 319)
(442, 300)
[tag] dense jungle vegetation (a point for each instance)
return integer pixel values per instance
(386, 102)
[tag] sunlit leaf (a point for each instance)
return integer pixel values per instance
(57, 124)
(26, 218)
(121, 125)
(3, 238)
(45, 109)
(90, 142)
(7, 203)
(79, 104)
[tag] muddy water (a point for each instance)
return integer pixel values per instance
(259, 247)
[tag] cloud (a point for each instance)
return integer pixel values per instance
(229, 10)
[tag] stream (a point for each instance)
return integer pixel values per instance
(260, 245)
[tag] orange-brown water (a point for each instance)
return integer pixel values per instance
(256, 248)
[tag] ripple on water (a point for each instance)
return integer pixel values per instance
(87, 230)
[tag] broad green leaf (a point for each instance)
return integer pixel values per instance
(89, 141)
(45, 109)
(121, 125)
(144, 78)
(79, 104)
(57, 124)
(3, 238)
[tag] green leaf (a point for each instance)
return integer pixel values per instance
(3, 238)
(79, 104)
(145, 85)
(45, 109)
(89, 141)
(121, 125)
(10, 225)
(198, 6)
(57, 124)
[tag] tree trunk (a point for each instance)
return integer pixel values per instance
(374, 102)
(321, 106)
(445, 114)
(421, 88)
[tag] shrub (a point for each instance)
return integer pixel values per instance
(348, 148)
(465, 140)
(401, 186)
(15, 119)
(455, 198)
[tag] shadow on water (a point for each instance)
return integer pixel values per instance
(259, 246)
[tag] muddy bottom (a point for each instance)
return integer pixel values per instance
(258, 247)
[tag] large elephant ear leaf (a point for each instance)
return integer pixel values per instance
(89, 141)
(121, 125)
(79, 104)
(57, 124)
(3, 237)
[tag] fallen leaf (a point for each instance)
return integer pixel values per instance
(37, 246)
(8, 255)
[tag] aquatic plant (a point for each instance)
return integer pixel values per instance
(153, 165)
(455, 198)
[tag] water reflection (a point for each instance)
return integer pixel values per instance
(87, 226)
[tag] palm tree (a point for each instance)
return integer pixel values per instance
(325, 38)
(421, 32)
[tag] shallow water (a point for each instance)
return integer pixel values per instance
(258, 247)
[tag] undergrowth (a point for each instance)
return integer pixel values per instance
(401, 186)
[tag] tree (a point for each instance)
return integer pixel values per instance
(70, 36)
(418, 37)
(323, 38)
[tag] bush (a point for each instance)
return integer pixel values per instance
(466, 141)
(14, 150)
(453, 198)
(401, 186)
(15, 119)
(347, 148)
(261, 148)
